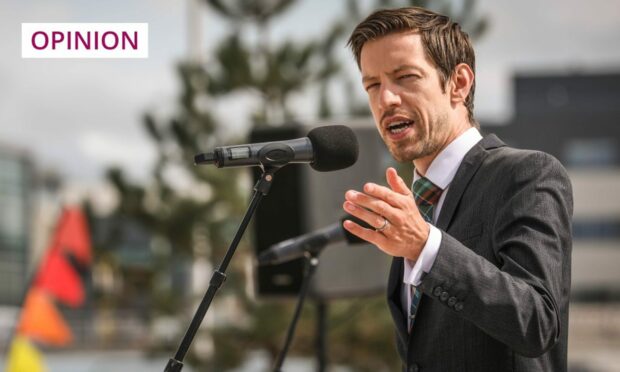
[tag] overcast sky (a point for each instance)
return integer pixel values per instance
(80, 116)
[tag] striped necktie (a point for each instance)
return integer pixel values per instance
(426, 196)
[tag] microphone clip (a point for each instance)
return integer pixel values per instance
(274, 156)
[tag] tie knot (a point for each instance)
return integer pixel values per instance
(425, 192)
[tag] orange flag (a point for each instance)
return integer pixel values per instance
(58, 277)
(41, 321)
(72, 235)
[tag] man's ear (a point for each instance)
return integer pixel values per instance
(461, 81)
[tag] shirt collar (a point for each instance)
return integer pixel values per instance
(443, 168)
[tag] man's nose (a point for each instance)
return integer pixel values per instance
(389, 96)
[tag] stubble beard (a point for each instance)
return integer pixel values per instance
(421, 144)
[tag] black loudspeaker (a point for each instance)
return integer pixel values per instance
(303, 200)
(279, 217)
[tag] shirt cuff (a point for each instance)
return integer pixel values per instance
(415, 270)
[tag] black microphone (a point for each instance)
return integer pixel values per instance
(312, 242)
(326, 148)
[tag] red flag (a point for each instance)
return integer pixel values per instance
(41, 321)
(72, 235)
(59, 278)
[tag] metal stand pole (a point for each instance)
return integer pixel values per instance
(321, 335)
(219, 275)
(312, 262)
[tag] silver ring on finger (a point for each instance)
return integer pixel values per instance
(386, 223)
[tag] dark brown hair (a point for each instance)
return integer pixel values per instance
(443, 40)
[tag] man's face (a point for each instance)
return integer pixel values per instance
(410, 108)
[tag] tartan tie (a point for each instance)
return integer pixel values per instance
(426, 196)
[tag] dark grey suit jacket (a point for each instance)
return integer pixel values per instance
(496, 298)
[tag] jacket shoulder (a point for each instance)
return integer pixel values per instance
(512, 159)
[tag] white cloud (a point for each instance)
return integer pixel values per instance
(105, 149)
(56, 108)
(79, 116)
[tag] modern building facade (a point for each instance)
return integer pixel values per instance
(16, 181)
(576, 118)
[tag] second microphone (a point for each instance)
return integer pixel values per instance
(312, 242)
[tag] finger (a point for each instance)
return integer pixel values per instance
(368, 235)
(371, 218)
(375, 205)
(386, 194)
(396, 182)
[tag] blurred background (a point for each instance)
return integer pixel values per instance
(96, 162)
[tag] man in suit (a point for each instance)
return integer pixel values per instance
(480, 278)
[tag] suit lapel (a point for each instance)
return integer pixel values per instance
(470, 164)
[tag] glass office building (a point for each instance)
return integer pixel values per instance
(16, 172)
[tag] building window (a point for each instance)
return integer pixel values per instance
(591, 152)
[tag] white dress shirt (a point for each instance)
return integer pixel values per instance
(441, 172)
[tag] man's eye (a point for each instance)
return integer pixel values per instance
(407, 76)
(371, 86)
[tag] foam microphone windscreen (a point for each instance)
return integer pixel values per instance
(335, 147)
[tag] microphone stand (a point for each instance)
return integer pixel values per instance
(311, 262)
(261, 189)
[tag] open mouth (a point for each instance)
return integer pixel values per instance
(400, 126)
